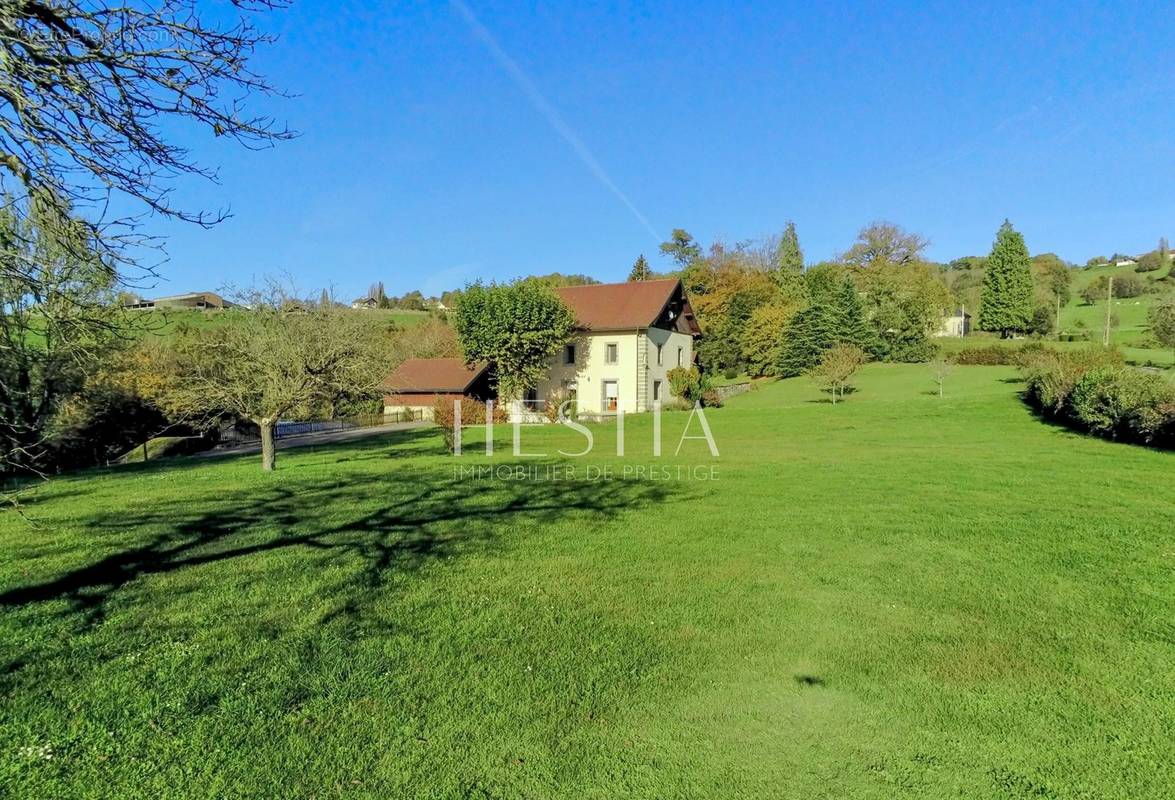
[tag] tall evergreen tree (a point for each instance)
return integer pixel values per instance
(851, 323)
(789, 257)
(1006, 303)
(324, 299)
(835, 316)
(640, 270)
(811, 332)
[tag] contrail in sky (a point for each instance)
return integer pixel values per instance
(553, 117)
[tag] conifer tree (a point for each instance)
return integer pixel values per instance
(811, 332)
(640, 270)
(790, 257)
(1007, 297)
(835, 316)
(850, 320)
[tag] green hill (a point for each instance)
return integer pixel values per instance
(165, 322)
(1131, 312)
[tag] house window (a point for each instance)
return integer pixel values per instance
(656, 391)
(660, 347)
(611, 353)
(569, 354)
(531, 398)
(680, 356)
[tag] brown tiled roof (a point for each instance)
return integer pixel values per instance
(616, 306)
(433, 375)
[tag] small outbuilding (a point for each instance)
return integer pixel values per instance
(957, 323)
(418, 383)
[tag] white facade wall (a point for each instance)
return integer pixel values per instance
(674, 347)
(956, 325)
(591, 370)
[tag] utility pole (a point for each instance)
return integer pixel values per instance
(1109, 307)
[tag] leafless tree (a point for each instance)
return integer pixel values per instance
(883, 244)
(278, 360)
(941, 369)
(88, 90)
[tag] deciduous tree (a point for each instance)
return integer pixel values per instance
(1161, 320)
(270, 363)
(93, 92)
(682, 248)
(884, 243)
(517, 328)
(57, 320)
(941, 369)
(762, 337)
(836, 369)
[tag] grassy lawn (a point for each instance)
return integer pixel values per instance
(900, 596)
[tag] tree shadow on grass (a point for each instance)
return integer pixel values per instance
(386, 527)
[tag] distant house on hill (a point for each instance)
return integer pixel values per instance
(418, 383)
(1126, 262)
(629, 336)
(365, 302)
(957, 323)
(199, 301)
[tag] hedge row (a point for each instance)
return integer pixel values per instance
(1095, 391)
(994, 355)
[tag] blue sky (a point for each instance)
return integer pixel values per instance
(442, 142)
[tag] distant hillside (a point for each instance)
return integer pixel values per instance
(1131, 312)
(165, 323)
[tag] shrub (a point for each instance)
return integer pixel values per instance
(711, 399)
(551, 407)
(687, 383)
(472, 413)
(1042, 321)
(1051, 374)
(1121, 402)
(990, 356)
(1094, 390)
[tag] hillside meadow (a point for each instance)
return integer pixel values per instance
(1131, 331)
(899, 596)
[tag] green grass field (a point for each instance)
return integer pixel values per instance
(1131, 330)
(901, 596)
(1130, 333)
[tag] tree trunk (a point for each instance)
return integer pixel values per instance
(268, 455)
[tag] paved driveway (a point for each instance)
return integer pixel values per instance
(312, 439)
